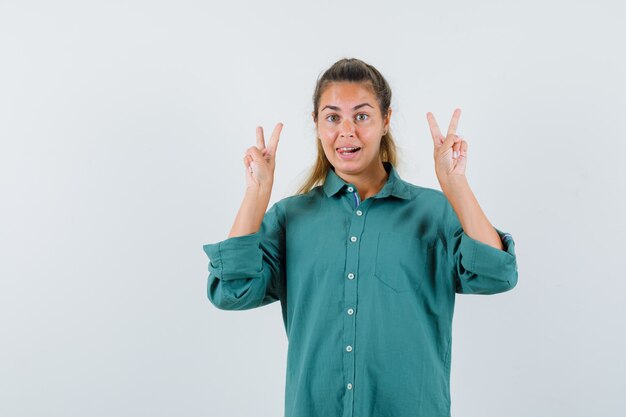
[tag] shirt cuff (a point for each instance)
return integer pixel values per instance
(485, 260)
(236, 257)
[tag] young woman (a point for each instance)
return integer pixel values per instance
(365, 265)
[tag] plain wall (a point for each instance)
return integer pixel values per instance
(123, 126)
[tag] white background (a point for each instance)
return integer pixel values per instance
(123, 126)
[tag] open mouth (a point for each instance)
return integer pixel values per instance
(348, 151)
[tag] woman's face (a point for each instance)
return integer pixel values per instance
(349, 117)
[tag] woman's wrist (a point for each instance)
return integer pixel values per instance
(259, 191)
(252, 210)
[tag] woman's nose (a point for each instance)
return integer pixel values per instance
(347, 128)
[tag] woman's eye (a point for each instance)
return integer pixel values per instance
(331, 118)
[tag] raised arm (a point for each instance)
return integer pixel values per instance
(483, 257)
(260, 163)
(246, 269)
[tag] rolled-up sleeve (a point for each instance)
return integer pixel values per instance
(247, 271)
(479, 268)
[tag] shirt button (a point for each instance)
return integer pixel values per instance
(353, 238)
(359, 213)
(349, 386)
(350, 275)
(350, 189)
(350, 312)
(349, 348)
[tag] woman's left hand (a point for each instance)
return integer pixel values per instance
(450, 151)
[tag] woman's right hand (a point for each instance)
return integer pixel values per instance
(260, 161)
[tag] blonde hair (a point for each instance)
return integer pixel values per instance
(350, 70)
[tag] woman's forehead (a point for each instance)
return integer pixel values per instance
(347, 95)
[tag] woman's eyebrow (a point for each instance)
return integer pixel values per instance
(354, 108)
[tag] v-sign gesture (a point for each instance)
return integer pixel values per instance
(450, 162)
(450, 151)
(260, 161)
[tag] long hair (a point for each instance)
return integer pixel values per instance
(350, 70)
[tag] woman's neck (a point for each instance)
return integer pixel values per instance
(368, 183)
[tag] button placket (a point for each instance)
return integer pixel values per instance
(352, 264)
(354, 196)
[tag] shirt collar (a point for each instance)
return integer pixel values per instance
(394, 186)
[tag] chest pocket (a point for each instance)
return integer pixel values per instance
(401, 261)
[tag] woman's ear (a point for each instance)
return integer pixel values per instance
(386, 121)
(313, 117)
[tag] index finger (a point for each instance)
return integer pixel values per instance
(454, 122)
(260, 140)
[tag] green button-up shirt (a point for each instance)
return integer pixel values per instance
(367, 290)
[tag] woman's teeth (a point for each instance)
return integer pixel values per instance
(348, 150)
